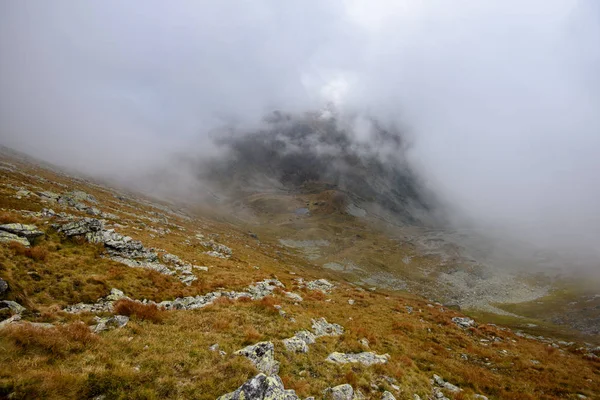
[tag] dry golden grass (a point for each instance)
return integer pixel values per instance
(36, 253)
(172, 360)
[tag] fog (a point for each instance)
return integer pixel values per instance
(500, 99)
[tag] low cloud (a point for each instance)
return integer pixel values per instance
(499, 99)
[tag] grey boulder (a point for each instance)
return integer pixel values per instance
(261, 387)
(262, 356)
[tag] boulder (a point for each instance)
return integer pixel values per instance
(322, 285)
(13, 306)
(29, 232)
(261, 387)
(82, 227)
(340, 392)
(323, 328)
(463, 322)
(114, 322)
(7, 237)
(387, 396)
(445, 385)
(262, 356)
(295, 344)
(293, 296)
(366, 358)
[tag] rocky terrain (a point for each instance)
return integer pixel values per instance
(107, 294)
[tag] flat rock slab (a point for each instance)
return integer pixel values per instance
(366, 358)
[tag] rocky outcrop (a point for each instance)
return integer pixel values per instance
(261, 387)
(264, 288)
(262, 356)
(366, 358)
(217, 250)
(20, 233)
(124, 249)
(7, 237)
(463, 322)
(103, 304)
(322, 285)
(29, 232)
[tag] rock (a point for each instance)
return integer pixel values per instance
(82, 227)
(387, 396)
(322, 285)
(293, 296)
(366, 358)
(264, 288)
(340, 392)
(463, 322)
(480, 396)
(306, 336)
(364, 342)
(29, 232)
(214, 347)
(262, 356)
(8, 321)
(295, 344)
(445, 385)
(350, 301)
(3, 286)
(416, 397)
(7, 237)
(323, 328)
(115, 294)
(103, 324)
(13, 306)
(261, 387)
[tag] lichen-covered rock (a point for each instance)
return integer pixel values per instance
(463, 322)
(293, 296)
(81, 227)
(366, 358)
(114, 322)
(264, 288)
(13, 306)
(340, 392)
(323, 328)
(7, 237)
(387, 396)
(29, 232)
(445, 385)
(262, 356)
(295, 344)
(322, 285)
(261, 387)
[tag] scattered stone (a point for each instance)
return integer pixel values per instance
(323, 328)
(7, 237)
(13, 306)
(366, 358)
(8, 321)
(114, 322)
(217, 250)
(350, 301)
(262, 387)
(262, 356)
(463, 322)
(364, 342)
(409, 309)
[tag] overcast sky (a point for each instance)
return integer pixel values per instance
(502, 97)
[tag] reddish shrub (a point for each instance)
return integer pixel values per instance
(144, 312)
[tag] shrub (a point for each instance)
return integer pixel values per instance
(130, 308)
